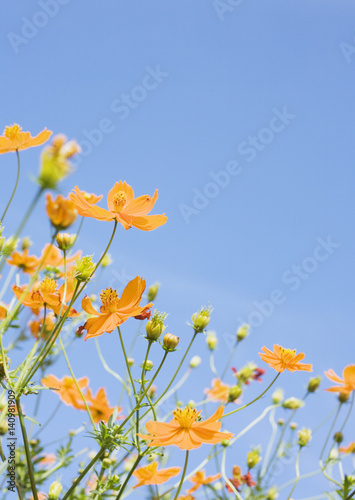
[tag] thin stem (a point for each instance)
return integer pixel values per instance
(256, 399)
(229, 359)
(128, 477)
(224, 475)
(83, 474)
(183, 475)
(27, 450)
(297, 473)
(349, 412)
(29, 212)
(15, 188)
(330, 432)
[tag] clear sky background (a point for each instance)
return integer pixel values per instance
(185, 92)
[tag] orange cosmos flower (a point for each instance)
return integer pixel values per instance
(347, 382)
(53, 257)
(114, 310)
(122, 207)
(284, 359)
(185, 431)
(15, 140)
(348, 449)
(151, 475)
(61, 211)
(28, 263)
(46, 293)
(3, 311)
(38, 330)
(67, 390)
(200, 479)
(219, 391)
(99, 406)
(91, 197)
(186, 497)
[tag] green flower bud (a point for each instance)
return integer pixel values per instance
(84, 268)
(272, 493)
(170, 342)
(155, 326)
(211, 340)
(304, 436)
(65, 240)
(343, 397)
(9, 246)
(4, 427)
(314, 383)
(253, 458)
(26, 243)
(277, 396)
(55, 490)
(106, 261)
(242, 332)
(338, 437)
(106, 463)
(153, 292)
(195, 361)
(115, 478)
(293, 426)
(130, 362)
(148, 365)
(292, 403)
(201, 319)
(234, 393)
(280, 422)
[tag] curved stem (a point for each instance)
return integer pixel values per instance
(256, 399)
(183, 475)
(224, 475)
(15, 188)
(297, 473)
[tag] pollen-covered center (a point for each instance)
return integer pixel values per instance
(110, 299)
(12, 131)
(48, 286)
(185, 418)
(119, 201)
(287, 355)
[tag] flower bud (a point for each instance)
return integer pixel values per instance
(211, 340)
(226, 442)
(170, 341)
(106, 261)
(338, 437)
(313, 384)
(130, 362)
(277, 396)
(293, 426)
(253, 458)
(292, 403)
(106, 463)
(272, 493)
(4, 427)
(2, 241)
(280, 422)
(115, 478)
(9, 245)
(333, 454)
(155, 326)
(84, 268)
(148, 365)
(2, 367)
(304, 436)
(242, 332)
(201, 319)
(26, 243)
(343, 397)
(55, 490)
(152, 391)
(61, 211)
(65, 240)
(153, 292)
(234, 393)
(195, 361)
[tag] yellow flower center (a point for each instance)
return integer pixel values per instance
(185, 418)
(119, 200)
(12, 131)
(48, 286)
(109, 299)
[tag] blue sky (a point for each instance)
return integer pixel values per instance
(259, 96)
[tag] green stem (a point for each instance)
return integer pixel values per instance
(297, 473)
(15, 188)
(29, 212)
(183, 475)
(27, 450)
(330, 431)
(253, 401)
(229, 359)
(85, 471)
(128, 477)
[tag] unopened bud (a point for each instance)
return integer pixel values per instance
(130, 362)
(272, 493)
(106, 463)
(292, 403)
(201, 319)
(338, 437)
(277, 396)
(293, 426)
(242, 332)
(148, 365)
(170, 342)
(211, 340)
(115, 478)
(280, 422)
(9, 246)
(65, 240)
(4, 427)
(253, 458)
(343, 397)
(84, 268)
(314, 383)
(155, 326)
(26, 243)
(304, 436)
(153, 292)
(152, 391)
(333, 454)
(55, 490)
(195, 361)
(106, 261)
(234, 393)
